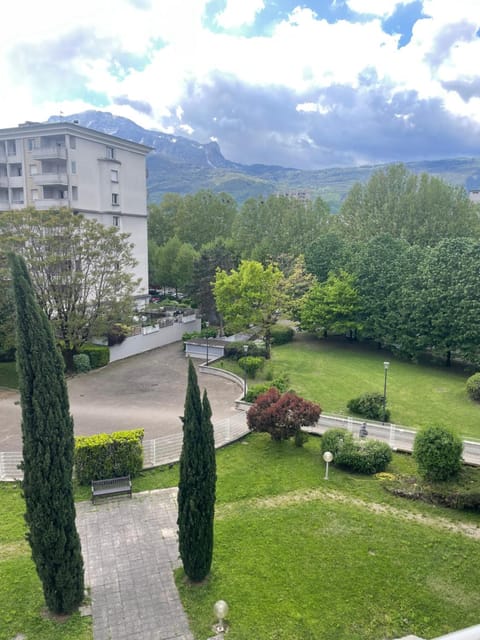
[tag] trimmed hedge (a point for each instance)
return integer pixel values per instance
(473, 387)
(369, 405)
(367, 456)
(362, 456)
(281, 334)
(438, 453)
(334, 439)
(108, 455)
(251, 364)
(99, 354)
(235, 350)
(81, 363)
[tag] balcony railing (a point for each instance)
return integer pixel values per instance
(57, 151)
(50, 178)
(48, 203)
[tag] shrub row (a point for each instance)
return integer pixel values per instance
(281, 334)
(473, 387)
(98, 354)
(108, 455)
(369, 405)
(369, 456)
(235, 350)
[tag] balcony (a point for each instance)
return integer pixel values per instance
(48, 203)
(16, 182)
(3, 181)
(50, 178)
(44, 153)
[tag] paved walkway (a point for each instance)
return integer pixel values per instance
(130, 550)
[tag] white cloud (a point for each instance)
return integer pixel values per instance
(382, 8)
(239, 13)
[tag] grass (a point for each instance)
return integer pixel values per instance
(297, 557)
(22, 609)
(8, 375)
(332, 372)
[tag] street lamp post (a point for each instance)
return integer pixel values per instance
(385, 368)
(207, 324)
(245, 351)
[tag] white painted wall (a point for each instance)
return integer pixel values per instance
(141, 343)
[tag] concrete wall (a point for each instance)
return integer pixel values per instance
(163, 336)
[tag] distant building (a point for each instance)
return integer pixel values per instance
(474, 195)
(64, 165)
(303, 196)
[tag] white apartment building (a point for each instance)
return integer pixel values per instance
(64, 165)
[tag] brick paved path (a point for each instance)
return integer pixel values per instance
(130, 550)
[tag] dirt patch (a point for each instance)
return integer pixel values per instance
(296, 497)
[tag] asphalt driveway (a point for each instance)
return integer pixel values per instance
(146, 391)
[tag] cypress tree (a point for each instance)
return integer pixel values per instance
(196, 490)
(48, 444)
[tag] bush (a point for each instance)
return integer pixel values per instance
(281, 334)
(235, 350)
(81, 363)
(280, 383)
(369, 405)
(99, 354)
(251, 364)
(438, 453)
(117, 333)
(108, 455)
(473, 387)
(367, 456)
(335, 439)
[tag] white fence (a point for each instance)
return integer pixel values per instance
(157, 452)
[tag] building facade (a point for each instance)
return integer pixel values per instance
(100, 176)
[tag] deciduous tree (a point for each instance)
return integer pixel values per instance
(281, 416)
(80, 269)
(252, 294)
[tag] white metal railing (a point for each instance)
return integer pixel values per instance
(9, 463)
(157, 452)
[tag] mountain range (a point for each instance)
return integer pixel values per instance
(181, 165)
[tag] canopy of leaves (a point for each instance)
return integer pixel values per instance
(419, 209)
(80, 269)
(281, 416)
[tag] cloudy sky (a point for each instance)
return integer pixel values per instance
(309, 85)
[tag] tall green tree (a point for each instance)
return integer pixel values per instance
(419, 209)
(218, 254)
(332, 306)
(80, 269)
(196, 489)
(205, 216)
(251, 294)
(267, 228)
(48, 444)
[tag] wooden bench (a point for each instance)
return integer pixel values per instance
(111, 486)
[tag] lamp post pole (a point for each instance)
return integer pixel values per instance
(207, 324)
(385, 368)
(245, 351)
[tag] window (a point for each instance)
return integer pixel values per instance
(115, 199)
(33, 169)
(114, 175)
(74, 193)
(31, 144)
(116, 221)
(110, 153)
(74, 166)
(11, 147)
(73, 142)
(34, 194)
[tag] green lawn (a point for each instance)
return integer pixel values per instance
(8, 375)
(333, 372)
(297, 557)
(21, 598)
